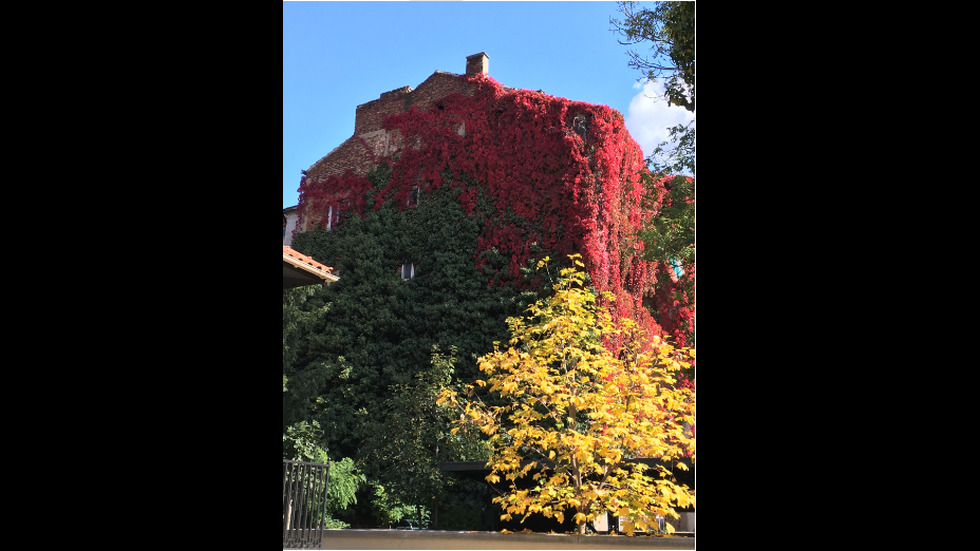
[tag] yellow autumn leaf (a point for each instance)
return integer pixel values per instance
(561, 387)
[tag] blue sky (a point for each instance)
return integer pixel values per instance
(337, 55)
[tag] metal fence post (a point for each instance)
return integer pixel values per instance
(304, 503)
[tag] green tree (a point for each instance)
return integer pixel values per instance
(668, 33)
(664, 38)
(403, 448)
(665, 41)
(576, 417)
(303, 309)
(301, 442)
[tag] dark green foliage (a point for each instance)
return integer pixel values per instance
(358, 356)
(379, 330)
(302, 309)
(301, 442)
(403, 447)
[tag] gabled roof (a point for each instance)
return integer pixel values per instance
(299, 269)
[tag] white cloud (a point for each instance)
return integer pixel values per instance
(649, 115)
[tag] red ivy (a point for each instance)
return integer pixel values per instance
(537, 169)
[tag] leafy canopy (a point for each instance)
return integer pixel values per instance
(668, 31)
(665, 40)
(574, 416)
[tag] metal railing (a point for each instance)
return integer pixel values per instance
(304, 500)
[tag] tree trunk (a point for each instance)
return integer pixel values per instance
(435, 514)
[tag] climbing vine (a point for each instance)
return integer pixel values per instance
(542, 175)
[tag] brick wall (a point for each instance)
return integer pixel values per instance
(371, 114)
(370, 140)
(478, 63)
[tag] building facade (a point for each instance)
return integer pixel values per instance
(543, 174)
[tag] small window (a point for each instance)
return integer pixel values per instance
(408, 271)
(413, 199)
(334, 212)
(580, 124)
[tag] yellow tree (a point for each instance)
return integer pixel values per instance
(576, 417)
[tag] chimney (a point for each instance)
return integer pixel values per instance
(477, 63)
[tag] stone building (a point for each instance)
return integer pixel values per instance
(545, 175)
(370, 141)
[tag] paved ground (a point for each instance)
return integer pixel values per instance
(435, 539)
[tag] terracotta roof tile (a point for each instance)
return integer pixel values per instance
(308, 260)
(299, 261)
